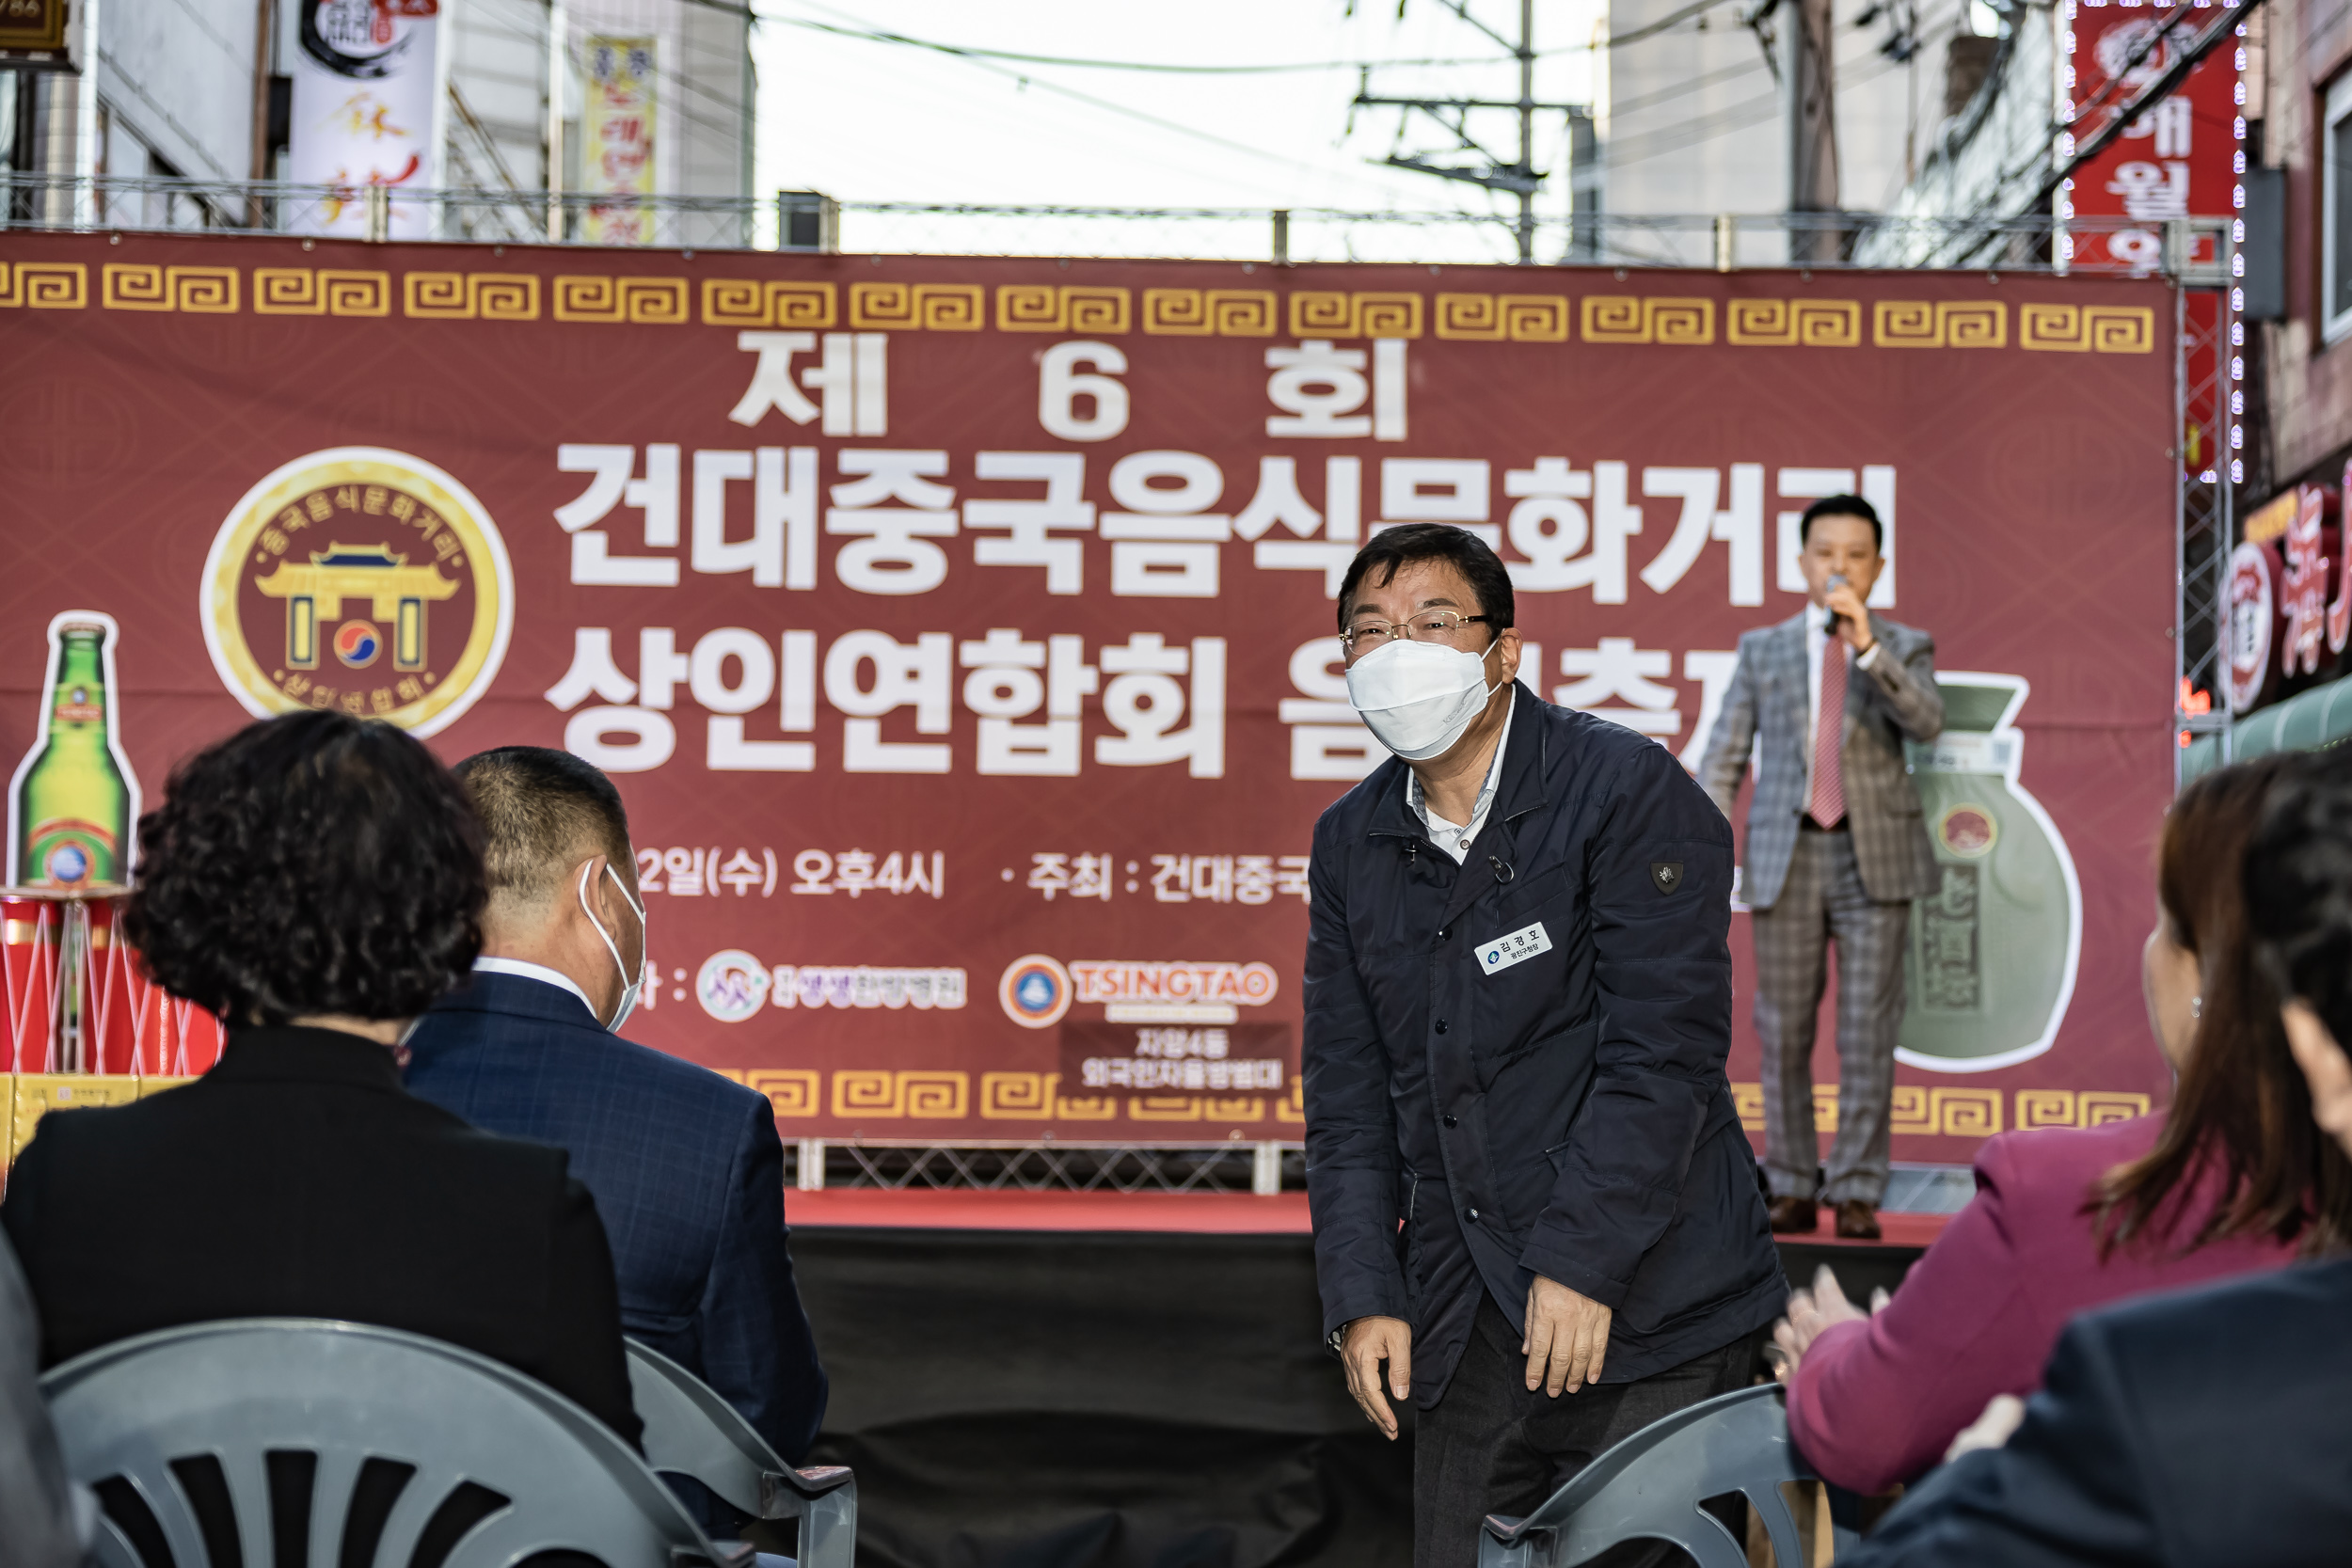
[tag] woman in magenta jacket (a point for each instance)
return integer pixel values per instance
(2234, 1179)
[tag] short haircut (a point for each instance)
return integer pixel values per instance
(1392, 549)
(2299, 889)
(1843, 506)
(542, 811)
(309, 864)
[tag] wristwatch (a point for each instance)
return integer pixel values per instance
(1337, 1337)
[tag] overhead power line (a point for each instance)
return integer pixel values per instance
(876, 35)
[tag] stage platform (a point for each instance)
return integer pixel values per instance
(1115, 1380)
(1193, 1214)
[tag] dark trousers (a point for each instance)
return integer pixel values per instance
(1490, 1446)
(1823, 901)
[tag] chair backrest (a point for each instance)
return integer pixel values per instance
(283, 1441)
(1651, 1486)
(689, 1431)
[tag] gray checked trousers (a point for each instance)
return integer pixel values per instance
(1823, 901)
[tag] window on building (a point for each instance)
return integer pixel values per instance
(2336, 207)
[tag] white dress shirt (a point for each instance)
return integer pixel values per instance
(1818, 641)
(1452, 838)
(540, 973)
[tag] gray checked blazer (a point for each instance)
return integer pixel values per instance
(1896, 699)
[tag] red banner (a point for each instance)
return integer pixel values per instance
(959, 630)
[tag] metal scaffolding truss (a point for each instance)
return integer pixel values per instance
(821, 1164)
(2207, 446)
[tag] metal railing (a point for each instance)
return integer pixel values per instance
(809, 222)
(818, 1165)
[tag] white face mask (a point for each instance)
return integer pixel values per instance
(629, 988)
(1418, 698)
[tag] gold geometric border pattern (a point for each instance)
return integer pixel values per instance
(1493, 318)
(917, 306)
(2087, 328)
(1794, 322)
(1940, 323)
(1098, 310)
(1626, 319)
(492, 297)
(1210, 312)
(1095, 310)
(44, 285)
(301, 292)
(145, 286)
(768, 302)
(1372, 314)
(1923, 1110)
(640, 301)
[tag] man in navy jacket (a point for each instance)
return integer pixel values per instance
(1531, 1196)
(685, 1166)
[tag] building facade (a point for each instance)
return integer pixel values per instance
(1697, 112)
(197, 90)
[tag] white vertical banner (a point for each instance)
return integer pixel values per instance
(364, 79)
(617, 137)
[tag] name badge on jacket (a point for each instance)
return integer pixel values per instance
(1521, 946)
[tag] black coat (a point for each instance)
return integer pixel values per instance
(298, 1178)
(1565, 1115)
(2197, 1429)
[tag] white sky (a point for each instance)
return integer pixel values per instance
(864, 120)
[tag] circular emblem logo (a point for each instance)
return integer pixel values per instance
(1967, 831)
(1035, 991)
(67, 865)
(2252, 612)
(331, 549)
(356, 644)
(731, 984)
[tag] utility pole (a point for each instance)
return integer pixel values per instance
(1519, 176)
(1813, 129)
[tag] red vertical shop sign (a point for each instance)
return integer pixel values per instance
(2184, 157)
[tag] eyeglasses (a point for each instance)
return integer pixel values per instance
(1430, 624)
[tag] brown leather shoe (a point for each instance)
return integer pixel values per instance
(1795, 1216)
(1857, 1221)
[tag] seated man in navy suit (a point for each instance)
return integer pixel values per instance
(2202, 1428)
(685, 1166)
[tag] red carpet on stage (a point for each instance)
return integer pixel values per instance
(1199, 1213)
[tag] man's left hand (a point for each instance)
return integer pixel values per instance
(1567, 1337)
(1853, 617)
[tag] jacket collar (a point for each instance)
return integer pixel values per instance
(1526, 747)
(257, 1053)
(486, 992)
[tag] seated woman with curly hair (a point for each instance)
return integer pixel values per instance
(316, 880)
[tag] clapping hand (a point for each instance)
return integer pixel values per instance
(1809, 1313)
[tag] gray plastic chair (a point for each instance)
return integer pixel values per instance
(689, 1431)
(369, 1447)
(1650, 1486)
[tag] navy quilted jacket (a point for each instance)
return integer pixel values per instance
(1514, 1066)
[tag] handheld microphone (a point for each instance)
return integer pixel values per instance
(1836, 580)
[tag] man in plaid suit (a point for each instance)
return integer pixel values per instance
(1836, 851)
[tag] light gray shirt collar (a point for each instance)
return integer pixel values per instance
(1455, 839)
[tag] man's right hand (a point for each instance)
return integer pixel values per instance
(1363, 1345)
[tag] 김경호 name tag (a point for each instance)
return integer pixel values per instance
(1521, 946)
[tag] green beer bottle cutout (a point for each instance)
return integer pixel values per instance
(1990, 965)
(74, 801)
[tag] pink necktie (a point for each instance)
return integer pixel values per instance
(1828, 805)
